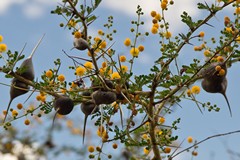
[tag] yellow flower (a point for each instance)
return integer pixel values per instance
(19, 106)
(153, 13)
(218, 68)
(27, 122)
(156, 25)
(229, 29)
(100, 32)
(168, 34)
(124, 68)
(237, 11)
(195, 89)
(154, 30)
(161, 120)
(238, 39)
(134, 52)
(103, 44)
(201, 34)
(189, 92)
(49, 73)
(122, 58)
(104, 64)
(220, 59)
(72, 23)
(80, 71)
(141, 48)
(207, 53)
(91, 149)
(115, 75)
(1, 38)
(3, 47)
(77, 34)
(61, 77)
(96, 39)
(145, 150)
(127, 42)
(158, 16)
(167, 150)
(88, 65)
(190, 139)
(222, 72)
(226, 20)
(163, 5)
(145, 136)
(14, 113)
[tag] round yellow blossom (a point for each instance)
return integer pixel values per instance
(104, 64)
(228, 29)
(80, 71)
(100, 32)
(226, 20)
(190, 139)
(218, 68)
(194, 153)
(43, 98)
(1, 38)
(154, 30)
(77, 35)
(102, 71)
(161, 120)
(91, 149)
(220, 59)
(124, 68)
(74, 85)
(115, 146)
(61, 77)
(38, 97)
(115, 75)
(157, 16)
(197, 48)
(123, 58)
(153, 13)
(222, 72)
(127, 42)
(134, 52)
(156, 25)
(189, 92)
(145, 151)
(167, 150)
(238, 39)
(145, 136)
(168, 34)
(97, 39)
(195, 89)
(237, 11)
(103, 44)
(14, 113)
(207, 53)
(3, 47)
(64, 91)
(19, 106)
(88, 65)
(141, 48)
(27, 122)
(201, 34)
(163, 5)
(72, 23)
(49, 74)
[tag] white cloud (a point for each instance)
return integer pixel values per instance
(6, 4)
(33, 11)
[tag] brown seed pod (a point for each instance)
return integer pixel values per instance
(80, 44)
(88, 108)
(213, 82)
(103, 97)
(63, 105)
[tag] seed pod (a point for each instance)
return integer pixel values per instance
(213, 82)
(88, 108)
(63, 105)
(80, 44)
(103, 97)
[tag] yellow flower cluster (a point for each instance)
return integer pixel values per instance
(115, 75)
(127, 42)
(61, 77)
(195, 89)
(3, 47)
(49, 74)
(134, 52)
(88, 65)
(80, 71)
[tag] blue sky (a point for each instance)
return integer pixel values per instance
(25, 21)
